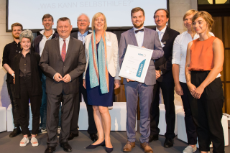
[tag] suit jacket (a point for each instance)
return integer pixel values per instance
(75, 34)
(165, 63)
(74, 65)
(112, 54)
(35, 74)
(151, 41)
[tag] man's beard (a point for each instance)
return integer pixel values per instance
(136, 26)
(15, 37)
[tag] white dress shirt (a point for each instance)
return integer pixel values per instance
(161, 34)
(82, 36)
(61, 42)
(139, 36)
(43, 41)
(180, 51)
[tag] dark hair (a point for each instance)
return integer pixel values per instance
(16, 24)
(63, 19)
(47, 16)
(166, 11)
(136, 9)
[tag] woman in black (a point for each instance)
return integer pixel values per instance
(28, 87)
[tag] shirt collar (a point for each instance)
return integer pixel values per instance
(85, 34)
(137, 29)
(66, 40)
(42, 32)
(163, 30)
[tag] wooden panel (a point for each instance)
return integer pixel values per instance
(217, 27)
(227, 31)
(227, 64)
(227, 99)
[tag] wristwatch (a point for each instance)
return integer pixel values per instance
(13, 74)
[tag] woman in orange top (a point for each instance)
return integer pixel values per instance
(204, 61)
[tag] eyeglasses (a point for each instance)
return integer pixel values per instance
(82, 20)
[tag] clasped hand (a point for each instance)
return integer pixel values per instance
(195, 92)
(58, 78)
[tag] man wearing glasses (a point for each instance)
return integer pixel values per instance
(83, 30)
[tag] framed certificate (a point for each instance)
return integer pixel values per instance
(136, 63)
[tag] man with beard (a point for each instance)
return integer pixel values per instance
(164, 80)
(9, 53)
(83, 30)
(39, 43)
(147, 38)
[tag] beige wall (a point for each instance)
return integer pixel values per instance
(177, 10)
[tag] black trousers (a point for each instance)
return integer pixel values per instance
(74, 123)
(207, 113)
(189, 123)
(53, 105)
(27, 96)
(168, 95)
(14, 104)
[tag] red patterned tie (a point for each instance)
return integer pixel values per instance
(63, 52)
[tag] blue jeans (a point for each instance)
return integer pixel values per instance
(43, 108)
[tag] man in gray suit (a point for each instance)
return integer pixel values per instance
(63, 61)
(142, 37)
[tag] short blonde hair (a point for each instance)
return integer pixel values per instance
(206, 16)
(96, 16)
(189, 12)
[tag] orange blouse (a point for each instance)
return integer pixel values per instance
(201, 55)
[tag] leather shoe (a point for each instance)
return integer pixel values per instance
(128, 146)
(15, 132)
(168, 143)
(50, 149)
(93, 137)
(72, 135)
(145, 146)
(153, 138)
(95, 146)
(66, 147)
(108, 150)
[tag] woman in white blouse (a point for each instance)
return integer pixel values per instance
(178, 68)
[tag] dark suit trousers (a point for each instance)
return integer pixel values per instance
(53, 105)
(23, 106)
(74, 125)
(167, 87)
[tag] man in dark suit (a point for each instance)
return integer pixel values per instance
(83, 30)
(141, 37)
(164, 80)
(63, 61)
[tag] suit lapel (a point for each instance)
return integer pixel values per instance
(146, 36)
(58, 47)
(165, 36)
(70, 47)
(132, 37)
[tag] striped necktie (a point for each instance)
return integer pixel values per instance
(63, 52)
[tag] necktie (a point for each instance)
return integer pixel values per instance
(159, 34)
(63, 52)
(136, 31)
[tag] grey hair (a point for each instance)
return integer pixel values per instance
(26, 34)
(84, 15)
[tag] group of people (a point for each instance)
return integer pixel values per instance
(56, 68)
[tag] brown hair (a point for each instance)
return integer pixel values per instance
(64, 19)
(137, 9)
(166, 11)
(206, 16)
(189, 12)
(96, 16)
(16, 24)
(47, 16)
